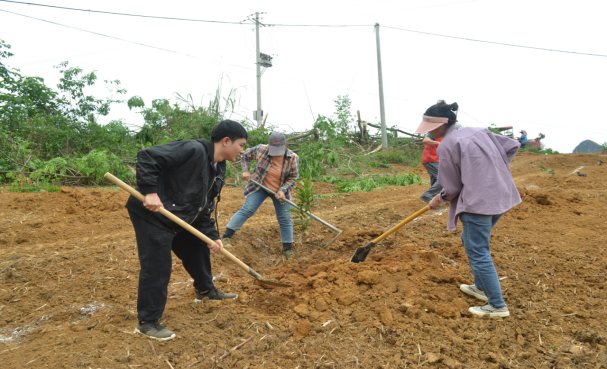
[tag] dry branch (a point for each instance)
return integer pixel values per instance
(309, 133)
(152, 347)
(234, 349)
(394, 129)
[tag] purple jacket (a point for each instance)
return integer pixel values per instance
(474, 172)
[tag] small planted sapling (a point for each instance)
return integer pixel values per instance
(306, 198)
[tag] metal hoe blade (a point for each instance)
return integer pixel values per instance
(361, 253)
(270, 282)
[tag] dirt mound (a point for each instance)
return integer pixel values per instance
(69, 270)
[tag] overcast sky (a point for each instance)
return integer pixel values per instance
(559, 94)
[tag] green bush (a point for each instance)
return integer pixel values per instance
(409, 156)
(49, 134)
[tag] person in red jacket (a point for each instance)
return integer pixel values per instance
(430, 162)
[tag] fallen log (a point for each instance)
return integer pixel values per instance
(394, 129)
(309, 133)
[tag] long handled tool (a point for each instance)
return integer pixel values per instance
(361, 253)
(310, 214)
(195, 232)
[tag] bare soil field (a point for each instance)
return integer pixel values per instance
(69, 272)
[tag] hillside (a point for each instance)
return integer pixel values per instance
(69, 272)
(588, 147)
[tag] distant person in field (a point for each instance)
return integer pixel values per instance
(277, 169)
(475, 174)
(430, 162)
(185, 177)
(524, 139)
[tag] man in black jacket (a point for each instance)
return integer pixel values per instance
(185, 177)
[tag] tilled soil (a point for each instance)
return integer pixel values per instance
(69, 270)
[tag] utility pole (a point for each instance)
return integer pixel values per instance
(259, 112)
(382, 111)
(261, 60)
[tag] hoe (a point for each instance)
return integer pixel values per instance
(310, 214)
(361, 253)
(196, 233)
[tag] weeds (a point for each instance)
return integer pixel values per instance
(551, 170)
(372, 182)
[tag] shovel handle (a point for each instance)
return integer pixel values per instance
(175, 219)
(393, 229)
(297, 207)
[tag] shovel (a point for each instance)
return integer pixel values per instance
(195, 232)
(339, 232)
(361, 253)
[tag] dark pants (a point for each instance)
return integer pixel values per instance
(435, 187)
(154, 246)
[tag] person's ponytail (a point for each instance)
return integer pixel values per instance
(444, 110)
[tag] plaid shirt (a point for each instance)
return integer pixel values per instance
(288, 175)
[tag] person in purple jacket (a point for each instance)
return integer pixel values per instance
(475, 174)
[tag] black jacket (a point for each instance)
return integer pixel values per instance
(182, 174)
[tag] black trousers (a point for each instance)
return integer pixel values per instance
(154, 246)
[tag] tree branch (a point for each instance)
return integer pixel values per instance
(394, 129)
(311, 132)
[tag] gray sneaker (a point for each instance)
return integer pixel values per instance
(154, 330)
(490, 310)
(288, 254)
(213, 294)
(226, 242)
(472, 290)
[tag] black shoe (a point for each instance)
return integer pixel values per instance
(213, 294)
(154, 330)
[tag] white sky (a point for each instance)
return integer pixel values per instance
(561, 95)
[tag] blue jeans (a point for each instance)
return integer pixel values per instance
(253, 202)
(475, 237)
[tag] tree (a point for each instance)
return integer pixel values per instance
(21, 97)
(76, 103)
(334, 129)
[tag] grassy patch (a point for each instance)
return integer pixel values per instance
(410, 157)
(371, 182)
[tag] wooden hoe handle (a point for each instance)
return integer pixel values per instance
(393, 229)
(175, 219)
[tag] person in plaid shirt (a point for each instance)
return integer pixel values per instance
(277, 169)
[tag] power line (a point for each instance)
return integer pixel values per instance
(121, 39)
(493, 42)
(115, 13)
(173, 51)
(297, 25)
(424, 7)
(463, 111)
(179, 19)
(20, 65)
